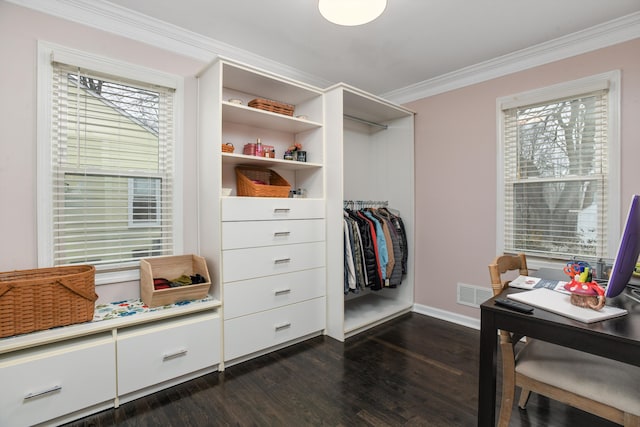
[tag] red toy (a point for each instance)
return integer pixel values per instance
(586, 294)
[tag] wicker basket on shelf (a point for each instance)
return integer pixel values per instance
(44, 298)
(260, 182)
(273, 106)
(228, 148)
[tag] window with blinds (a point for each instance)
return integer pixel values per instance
(112, 169)
(556, 175)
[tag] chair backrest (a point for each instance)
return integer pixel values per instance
(501, 265)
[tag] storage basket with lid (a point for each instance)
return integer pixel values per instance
(44, 298)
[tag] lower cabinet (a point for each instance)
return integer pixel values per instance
(54, 380)
(152, 354)
(53, 377)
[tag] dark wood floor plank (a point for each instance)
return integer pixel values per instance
(411, 371)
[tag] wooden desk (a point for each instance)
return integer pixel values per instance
(617, 338)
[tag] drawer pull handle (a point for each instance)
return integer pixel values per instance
(282, 261)
(281, 210)
(175, 355)
(283, 326)
(281, 233)
(282, 291)
(43, 392)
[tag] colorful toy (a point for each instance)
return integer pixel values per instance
(586, 294)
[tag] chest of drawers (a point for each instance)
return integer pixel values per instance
(273, 273)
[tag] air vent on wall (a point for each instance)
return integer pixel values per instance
(472, 295)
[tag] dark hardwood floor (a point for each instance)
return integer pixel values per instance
(412, 371)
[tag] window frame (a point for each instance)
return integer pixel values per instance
(47, 52)
(610, 80)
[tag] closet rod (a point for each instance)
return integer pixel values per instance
(360, 204)
(367, 122)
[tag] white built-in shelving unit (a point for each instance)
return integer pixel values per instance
(268, 253)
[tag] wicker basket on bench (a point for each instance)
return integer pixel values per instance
(43, 298)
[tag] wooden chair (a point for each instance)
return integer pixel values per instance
(600, 386)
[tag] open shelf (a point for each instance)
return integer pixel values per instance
(249, 116)
(243, 159)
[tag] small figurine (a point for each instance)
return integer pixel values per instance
(586, 294)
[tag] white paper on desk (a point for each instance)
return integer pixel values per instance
(529, 282)
(560, 303)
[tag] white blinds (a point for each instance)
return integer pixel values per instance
(112, 169)
(555, 177)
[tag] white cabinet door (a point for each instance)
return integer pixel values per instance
(248, 334)
(54, 380)
(242, 264)
(268, 208)
(149, 355)
(247, 234)
(253, 295)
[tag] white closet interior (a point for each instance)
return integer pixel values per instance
(369, 157)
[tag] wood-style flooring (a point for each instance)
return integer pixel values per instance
(411, 371)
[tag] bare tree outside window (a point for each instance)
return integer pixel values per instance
(113, 168)
(558, 187)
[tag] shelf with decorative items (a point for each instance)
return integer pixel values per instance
(259, 108)
(238, 113)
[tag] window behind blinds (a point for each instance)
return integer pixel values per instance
(112, 169)
(556, 177)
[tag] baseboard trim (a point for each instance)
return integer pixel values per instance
(449, 316)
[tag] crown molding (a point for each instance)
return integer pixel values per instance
(613, 32)
(115, 19)
(112, 18)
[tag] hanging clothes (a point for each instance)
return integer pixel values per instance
(375, 249)
(398, 238)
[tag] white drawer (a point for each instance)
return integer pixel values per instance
(242, 264)
(267, 208)
(248, 334)
(148, 355)
(253, 295)
(54, 380)
(248, 234)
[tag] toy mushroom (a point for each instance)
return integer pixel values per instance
(586, 294)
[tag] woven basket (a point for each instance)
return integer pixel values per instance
(228, 148)
(275, 185)
(43, 298)
(273, 106)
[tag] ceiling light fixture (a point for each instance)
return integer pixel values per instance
(351, 12)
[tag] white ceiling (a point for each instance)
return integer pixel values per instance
(413, 41)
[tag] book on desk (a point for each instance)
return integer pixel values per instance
(530, 282)
(560, 303)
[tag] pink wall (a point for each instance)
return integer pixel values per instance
(456, 143)
(455, 140)
(20, 30)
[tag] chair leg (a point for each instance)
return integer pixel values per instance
(524, 398)
(631, 420)
(506, 404)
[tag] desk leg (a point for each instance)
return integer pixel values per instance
(487, 373)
